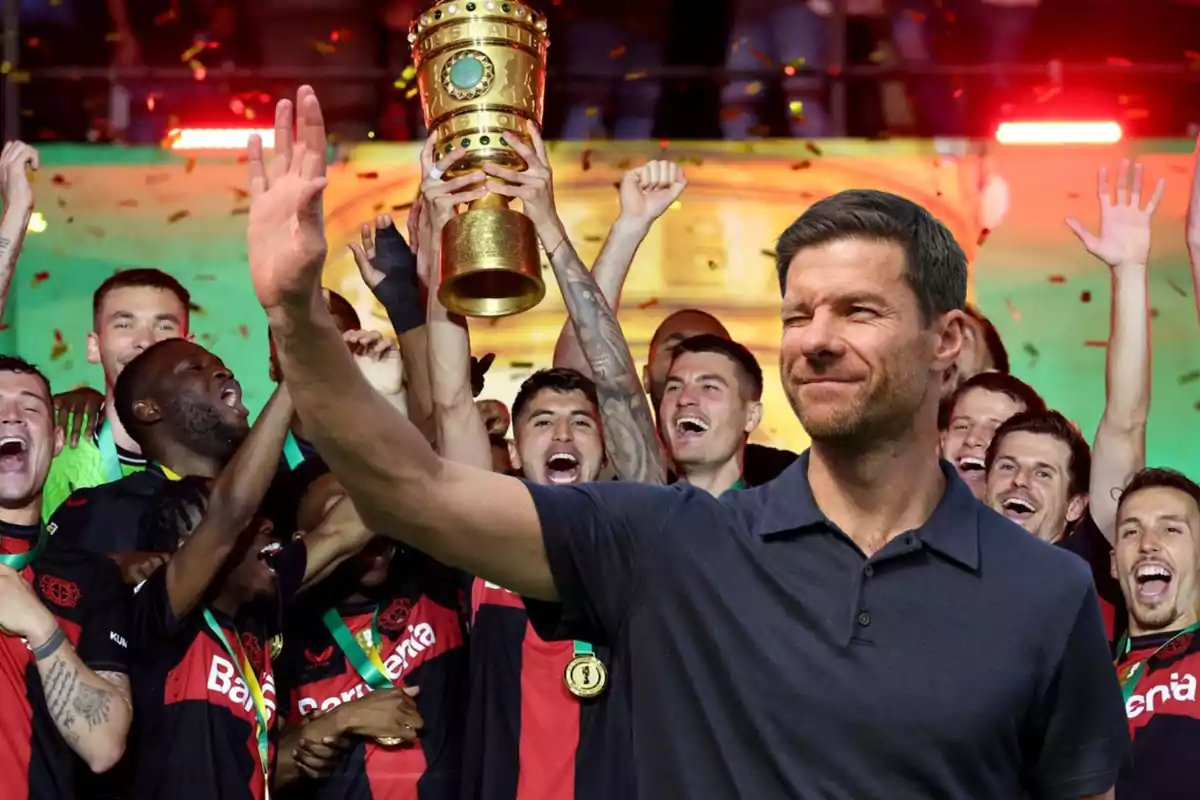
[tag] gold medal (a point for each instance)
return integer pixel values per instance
(363, 638)
(389, 741)
(275, 646)
(586, 676)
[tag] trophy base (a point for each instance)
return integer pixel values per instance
(490, 265)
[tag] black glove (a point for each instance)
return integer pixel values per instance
(479, 368)
(400, 290)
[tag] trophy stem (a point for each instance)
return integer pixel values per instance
(491, 200)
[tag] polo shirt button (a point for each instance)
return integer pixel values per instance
(864, 618)
(868, 570)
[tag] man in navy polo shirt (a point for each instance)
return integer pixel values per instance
(859, 627)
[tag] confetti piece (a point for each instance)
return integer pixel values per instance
(1058, 278)
(206, 277)
(207, 338)
(1189, 377)
(712, 264)
(1031, 351)
(1085, 297)
(1095, 343)
(916, 16)
(94, 231)
(157, 177)
(196, 308)
(983, 237)
(190, 166)
(1178, 289)
(651, 303)
(754, 87)
(636, 76)
(127, 204)
(239, 193)
(813, 148)
(1013, 311)
(178, 215)
(62, 203)
(1197, 406)
(763, 57)
(796, 109)
(375, 209)
(244, 331)
(170, 15)
(593, 239)
(618, 52)
(70, 220)
(520, 365)
(237, 212)
(1153, 313)
(402, 206)
(60, 180)
(1072, 195)
(367, 176)
(40, 278)
(60, 347)
(324, 48)
(767, 253)
(799, 165)
(199, 72)
(193, 51)
(585, 160)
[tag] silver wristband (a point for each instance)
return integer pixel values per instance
(51, 645)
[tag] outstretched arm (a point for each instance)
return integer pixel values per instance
(482, 522)
(16, 195)
(630, 438)
(1124, 245)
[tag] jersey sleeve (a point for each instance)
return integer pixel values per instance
(70, 524)
(597, 537)
(104, 638)
(152, 616)
(1079, 725)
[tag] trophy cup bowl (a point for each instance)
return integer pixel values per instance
(481, 71)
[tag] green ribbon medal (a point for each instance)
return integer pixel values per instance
(585, 674)
(20, 561)
(1129, 675)
(363, 655)
(291, 451)
(246, 673)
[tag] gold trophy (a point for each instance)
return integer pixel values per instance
(481, 69)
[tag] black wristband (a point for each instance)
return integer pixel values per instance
(50, 646)
(401, 299)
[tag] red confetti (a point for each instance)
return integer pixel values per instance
(244, 330)
(368, 176)
(1095, 343)
(585, 160)
(799, 165)
(59, 180)
(651, 303)
(4, 326)
(813, 148)
(1085, 297)
(190, 166)
(40, 278)
(127, 204)
(983, 237)
(157, 177)
(178, 215)
(618, 51)
(916, 16)
(1058, 278)
(60, 347)
(238, 193)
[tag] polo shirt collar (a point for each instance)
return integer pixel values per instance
(952, 530)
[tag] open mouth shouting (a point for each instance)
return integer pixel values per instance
(1152, 581)
(1017, 507)
(14, 452)
(972, 468)
(690, 426)
(231, 395)
(563, 467)
(269, 553)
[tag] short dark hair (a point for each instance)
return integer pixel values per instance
(1050, 423)
(742, 358)
(558, 379)
(935, 266)
(140, 276)
(22, 367)
(1156, 477)
(133, 383)
(991, 381)
(991, 339)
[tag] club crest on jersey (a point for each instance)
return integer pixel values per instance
(253, 649)
(1180, 689)
(223, 679)
(1180, 644)
(59, 591)
(393, 617)
(318, 658)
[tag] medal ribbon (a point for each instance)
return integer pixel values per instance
(246, 673)
(584, 649)
(365, 660)
(108, 453)
(20, 561)
(739, 485)
(1134, 672)
(291, 452)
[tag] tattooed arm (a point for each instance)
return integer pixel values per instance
(17, 197)
(92, 710)
(630, 438)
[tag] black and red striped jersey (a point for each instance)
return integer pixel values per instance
(86, 596)
(1163, 709)
(528, 737)
(421, 621)
(1088, 542)
(194, 715)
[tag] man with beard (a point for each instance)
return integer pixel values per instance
(130, 311)
(386, 623)
(63, 617)
(815, 585)
(1157, 562)
(711, 404)
(185, 408)
(970, 417)
(1038, 472)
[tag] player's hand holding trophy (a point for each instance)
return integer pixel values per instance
(481, 67)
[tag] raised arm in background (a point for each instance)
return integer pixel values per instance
(645, 193)
(461, 434)
(236, 496)
(479, 521)
(1193, 227)
(1123, 243)
(91, 710)
(16, 195)
(630, 437)
(388, 267)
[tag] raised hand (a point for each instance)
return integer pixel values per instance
(383, 253)
(535, 186)
(1124, 237)
(379, 359)
(79, 411)
(441, 197)
(21, 612)
(285, 237)
(649, 190)
(15, 190)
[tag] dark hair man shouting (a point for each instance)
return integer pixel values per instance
(804, 597)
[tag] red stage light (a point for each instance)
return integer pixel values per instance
(217, 138)
(1058, 133)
